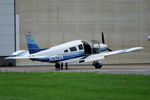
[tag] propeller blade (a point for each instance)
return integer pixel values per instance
(109, 49)
(103, 40)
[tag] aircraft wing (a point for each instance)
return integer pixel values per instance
(17, 57)
(121, 51)
(93, 57)
(26, 57)
(101, 56)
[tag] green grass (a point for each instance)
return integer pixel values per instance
(73, 86)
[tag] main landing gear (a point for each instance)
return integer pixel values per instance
(60, 66)
(97, 65)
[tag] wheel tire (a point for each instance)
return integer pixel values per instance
(98, 65)
(57, 65)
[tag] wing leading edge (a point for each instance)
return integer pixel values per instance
(101, 56)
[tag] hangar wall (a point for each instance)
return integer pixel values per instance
(126, 23)
(7, 31)
(7, 40)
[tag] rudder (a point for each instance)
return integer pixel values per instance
(31, 44)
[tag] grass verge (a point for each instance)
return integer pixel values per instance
(73, 86)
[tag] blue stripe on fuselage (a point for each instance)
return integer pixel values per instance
(98, 50)
(73, 55)
(102, 49)
(61, 57)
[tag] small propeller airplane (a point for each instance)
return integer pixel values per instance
(77, 51)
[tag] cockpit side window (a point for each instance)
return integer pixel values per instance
(66, 50)
(80, 47)
(73, 49)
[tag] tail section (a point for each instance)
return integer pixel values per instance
(32, 46)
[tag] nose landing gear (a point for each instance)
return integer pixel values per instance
(97, 65)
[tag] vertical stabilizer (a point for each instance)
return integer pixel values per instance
(31, 44)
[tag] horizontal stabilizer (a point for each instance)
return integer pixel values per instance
(18, 54)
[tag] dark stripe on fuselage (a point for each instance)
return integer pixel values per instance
(65, 57)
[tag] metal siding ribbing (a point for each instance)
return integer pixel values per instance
(124, 22)
(6, 27)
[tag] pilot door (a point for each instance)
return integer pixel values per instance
(87, 47)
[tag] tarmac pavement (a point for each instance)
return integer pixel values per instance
(113, 69)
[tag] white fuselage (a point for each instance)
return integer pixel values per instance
(67, 52)
(59, 49)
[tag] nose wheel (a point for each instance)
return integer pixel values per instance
(97, 65)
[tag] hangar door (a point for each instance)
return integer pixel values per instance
(7, 29)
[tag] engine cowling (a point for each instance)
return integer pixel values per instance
(97, 48)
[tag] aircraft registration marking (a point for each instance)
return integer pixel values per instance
(56, 58)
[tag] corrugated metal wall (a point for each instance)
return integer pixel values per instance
(126, 23)
(7, 41)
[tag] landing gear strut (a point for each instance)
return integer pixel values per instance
(97, 65)
(60, 66)
(66, 64)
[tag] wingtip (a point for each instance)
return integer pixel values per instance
(134, 49)
(140, 48)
